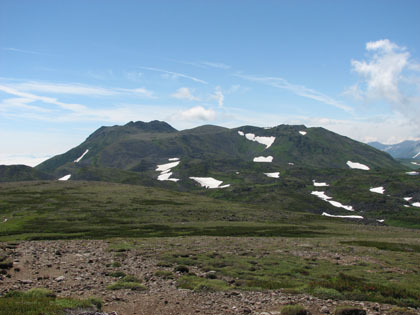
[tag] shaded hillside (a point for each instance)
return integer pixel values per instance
(14, 173)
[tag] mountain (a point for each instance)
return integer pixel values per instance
(283, 168)
(139, 147)
(14, 173)
(405, 150)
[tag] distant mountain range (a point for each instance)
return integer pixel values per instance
(404, 150)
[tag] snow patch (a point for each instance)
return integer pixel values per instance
(303, 133)
(167, 166)
(165, 170)
(263, 159)
(209, 182)
(381, 220)
(408, 198)
(319, 184)
(416, 155)
(412, 173)
(290, 163)
(267, 141)
(274, 175)
(415, 163)
(342, 216)
(81, 157)
(340, 205)
(66, 177)
(406, 206)
(359, 166)
(323, 196)
(416, 204)
(378, 190)
(5, 220)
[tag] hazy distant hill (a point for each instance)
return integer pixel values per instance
(404, 150)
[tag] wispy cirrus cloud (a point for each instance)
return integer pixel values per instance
(205, 64)
(184, 93)
(24, 51)
(218, 65)
(76, 89)
(299, 90)
(175, 75)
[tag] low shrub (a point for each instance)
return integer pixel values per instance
(294, 309)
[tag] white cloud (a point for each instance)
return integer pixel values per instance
(218, 96)
(196, 113)
(388, 75)
(296, 89)
(184, 94)
(174, 75)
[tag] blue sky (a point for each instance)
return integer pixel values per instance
(69, 67)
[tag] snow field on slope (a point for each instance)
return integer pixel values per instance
(267, 141)
(263, 159)
(274, 175)
(359, 166)
(323, 196)
(317, 184)
(66, 177)
(378, 190)
(209, 182)
(81, 157)
(165, 170)
(342, 216)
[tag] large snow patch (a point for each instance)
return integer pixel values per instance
(209, 182)
(263, 159)
(359, 166)
(342, 216)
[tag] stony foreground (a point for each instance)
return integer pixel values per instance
(81, 269)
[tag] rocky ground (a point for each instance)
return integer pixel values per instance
(80, 269)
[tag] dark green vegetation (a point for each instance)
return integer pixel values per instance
(59, 210)
(43, 301)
